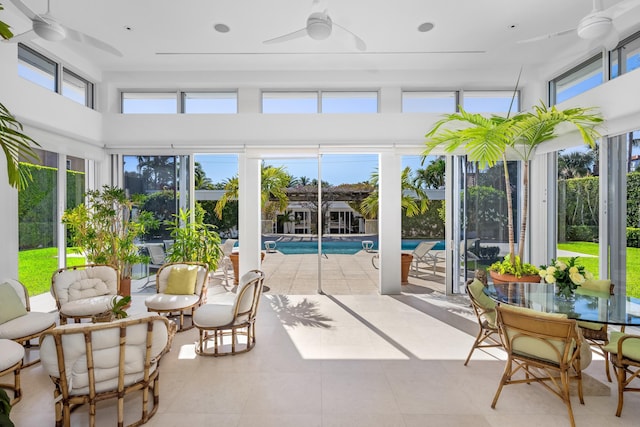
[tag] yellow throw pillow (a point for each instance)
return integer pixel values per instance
(11, 305)
(182, 280)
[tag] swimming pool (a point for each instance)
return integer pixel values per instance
(340, 247)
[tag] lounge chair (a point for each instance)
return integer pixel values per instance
(423, 254)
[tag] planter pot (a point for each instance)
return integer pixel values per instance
(405, 267)
(510, 278)
(125, 287)
(107, 316)
(235, 261)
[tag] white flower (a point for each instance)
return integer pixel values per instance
(542, 273)
(561, 265)
(577, 278)
(551, 269)
(573, 270)
(588, 275)
(550, 278)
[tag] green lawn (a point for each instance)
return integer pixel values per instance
(591, 264)
(36, 266)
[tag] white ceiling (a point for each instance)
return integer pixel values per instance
(179, 35)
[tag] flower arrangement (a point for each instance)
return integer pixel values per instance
(567, 276)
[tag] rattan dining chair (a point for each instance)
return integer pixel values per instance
(597, 334)
(485, 311)
(624, 351)
(542, 346)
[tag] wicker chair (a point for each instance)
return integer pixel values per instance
(90, 363)
(230, 314)
(597, 334)
(169, 302)
(624, 350)
(84, 291)
(28, 326)
(485, 311)
(11, 355)
(543, 347)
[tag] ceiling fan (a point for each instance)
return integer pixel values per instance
(48, 28)
(319, 27)
(597, 26)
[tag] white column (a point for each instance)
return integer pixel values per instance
(8, 225)
(249, 211)
(389, 221)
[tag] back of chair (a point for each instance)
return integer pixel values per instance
(422, 249)
(227, 246)
(541, 336)
(162, 276)
(84, 281)
(100, 357)
(157, 254)
(248, 294)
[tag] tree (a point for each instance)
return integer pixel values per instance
(575, 165)
(414, 200)
(200, 179)
(486, 140)
(432, 176)
(274, 183)
(15, 144)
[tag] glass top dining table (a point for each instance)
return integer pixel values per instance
(586, 305)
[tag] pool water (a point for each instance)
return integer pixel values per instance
(340, 247)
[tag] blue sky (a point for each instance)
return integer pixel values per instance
(336, 168)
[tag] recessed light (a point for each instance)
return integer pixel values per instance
(221, 28)
(513, 26)
(426, 26)
(128, 28)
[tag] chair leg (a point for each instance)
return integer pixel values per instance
(505, 376)
(475, 345)
(621, 374)
(606, 364)
(564, 377)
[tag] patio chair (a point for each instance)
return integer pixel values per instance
(84, 291)
(543, 347)
(225, 262)
(597, 334)
(181, 287)
(157, 258)
(422, 254)
(230, 314)
(11, 355)
(90, 363)
(624, 351)
(17, 321)
(485, 311)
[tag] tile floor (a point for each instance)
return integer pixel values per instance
(345, 360)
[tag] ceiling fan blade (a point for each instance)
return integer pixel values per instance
(360, 44)
(26, 11)
(548, 36)
(22, 37)
(621, 8)
(91, 41)
(291, 36)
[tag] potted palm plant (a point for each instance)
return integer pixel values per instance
(487, 140)
(194, 240)
(104, 229)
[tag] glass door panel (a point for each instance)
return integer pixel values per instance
(350, 230)
(578, 207)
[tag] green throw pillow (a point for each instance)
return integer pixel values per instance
(182, 280)
(10, 304)
(476, 288)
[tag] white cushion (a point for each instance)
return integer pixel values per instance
(170, 302)
(73, 284)
(29, 324)
(105, 345)
(87, 306)
(217, 312)
(10, 353)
